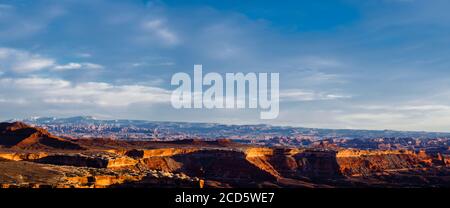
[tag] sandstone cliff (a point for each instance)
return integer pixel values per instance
(366, 162)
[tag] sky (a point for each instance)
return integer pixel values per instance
(374, 64)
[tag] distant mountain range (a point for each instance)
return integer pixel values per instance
(214, 130)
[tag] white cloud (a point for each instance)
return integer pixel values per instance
(306, 95)
(83, 55)
(68, 66)
(60, 92)
(416, 108)
(73, 65)
(317, 62)
(158, 29)
(429, 117)
(372, 117)
(424, 108)
(22, 61)
(397, 120)
(307, 71)
(140, 64)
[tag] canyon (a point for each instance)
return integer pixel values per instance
(32, 157)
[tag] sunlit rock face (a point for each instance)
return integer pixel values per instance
(366, 162)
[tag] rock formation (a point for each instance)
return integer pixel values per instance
(21, 136)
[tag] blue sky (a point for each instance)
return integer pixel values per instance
(375, 64)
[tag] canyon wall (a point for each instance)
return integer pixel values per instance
(365, 162)
(295, 163)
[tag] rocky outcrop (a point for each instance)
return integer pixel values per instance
(161, 179)
(162, 152)
(362, 153)
(260, 157)
(93, 161)
(77, 160)
(18, 156)
(366, 162)
(193, 162)
(24, 174)
(295, 163)
(318, 164)
(121, 162)
(446, 159)
(221, 164)
(161, 163)
(21, 136)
